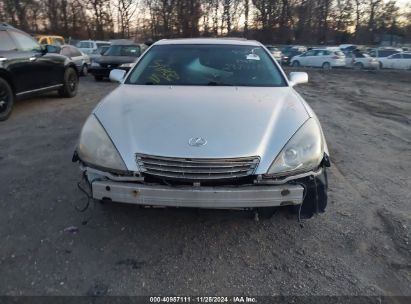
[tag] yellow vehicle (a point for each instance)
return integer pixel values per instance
(47, 39)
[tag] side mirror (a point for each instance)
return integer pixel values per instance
(117, 75)
(298, 77)
(48, 48)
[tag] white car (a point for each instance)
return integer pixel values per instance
(81, 59)
(324, 58)
(89, 46)
(401, 61)
(186, 128)
(359, 60)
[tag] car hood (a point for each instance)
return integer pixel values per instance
(115, 59)
(235, 121)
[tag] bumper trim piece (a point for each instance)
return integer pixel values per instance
(198, 197)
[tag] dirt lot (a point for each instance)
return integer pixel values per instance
(360, 246)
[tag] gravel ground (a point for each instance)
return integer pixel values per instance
(360, 246)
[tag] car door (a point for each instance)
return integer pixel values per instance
(406, 58)
(25, 67)
(394, 61)
(39, 69)
(319, 58)
(307, 58)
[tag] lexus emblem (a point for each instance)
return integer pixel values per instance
(197, 141)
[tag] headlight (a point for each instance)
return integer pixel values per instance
(95, 64)
(96, 148)
(127, 65)
(303, 152)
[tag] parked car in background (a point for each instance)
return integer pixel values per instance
(81, 60)
(289, 54)
(97, 53)
(28, 68)
(88, 46)
(347, 47)
(47, 39)
(401, 61)
(276, 52)
(383, 52)
(120, 55)
(325, 58)
(359, 60)
(187, 128)
(299, 48)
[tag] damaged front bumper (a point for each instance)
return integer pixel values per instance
(307, 193)
(199, 197)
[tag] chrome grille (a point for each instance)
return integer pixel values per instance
(197, 168)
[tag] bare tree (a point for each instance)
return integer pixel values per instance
(126, 10)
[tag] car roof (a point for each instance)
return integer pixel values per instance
(228, 41)
(122, 42)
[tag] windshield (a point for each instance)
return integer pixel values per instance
(198, 64)
(102, 44)
(123, 50)
(84, 44)
(101, 50)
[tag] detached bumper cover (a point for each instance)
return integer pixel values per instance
(198, 197)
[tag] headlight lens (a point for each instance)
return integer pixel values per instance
(96, 148)
(303, 152)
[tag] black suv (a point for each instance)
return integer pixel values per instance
(26, 68)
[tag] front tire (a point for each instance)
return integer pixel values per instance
(6, 99)
(358, 66)
(70, 85)
(84, 70)
(326, 66)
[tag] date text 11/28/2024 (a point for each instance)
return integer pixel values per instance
(175, 299)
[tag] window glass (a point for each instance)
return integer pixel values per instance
(396, 56)
(66, 51)
(75, 52)
(84, 44)
(310, 53)
(6, 44)
(235, 65)
(386, 53)
(99, 44)
(57, 41)
(123, 50)
(406, 56)
(25, 42)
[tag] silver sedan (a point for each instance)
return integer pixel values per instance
(207, 123)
